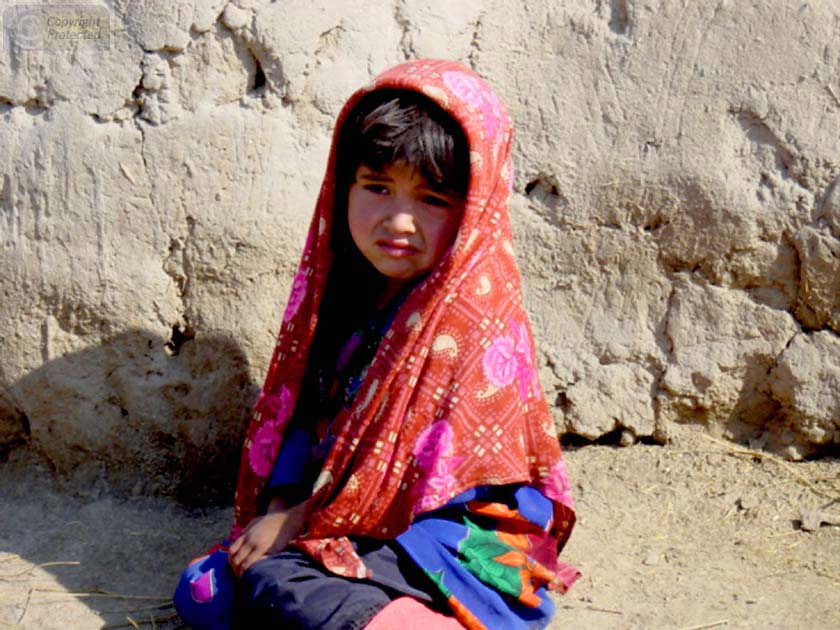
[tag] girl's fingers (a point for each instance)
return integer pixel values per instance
(235, 558)
(256, 554)
(234, 551)
(245, 556)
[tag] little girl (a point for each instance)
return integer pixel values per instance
(402, 463)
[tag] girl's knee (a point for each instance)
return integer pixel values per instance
(275, 590)
(290, 591)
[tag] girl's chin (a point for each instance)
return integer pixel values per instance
(395, 277)
(398, 277)
(399, 269)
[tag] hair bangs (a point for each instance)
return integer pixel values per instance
(394, 126)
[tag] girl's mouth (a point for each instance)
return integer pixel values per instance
(397, 249)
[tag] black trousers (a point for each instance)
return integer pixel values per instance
(291, 591)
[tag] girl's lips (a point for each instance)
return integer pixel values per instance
(397, 249)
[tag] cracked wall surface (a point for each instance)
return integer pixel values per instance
(676, 208)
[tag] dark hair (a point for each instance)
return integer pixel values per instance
(400, 126)
(385, 127)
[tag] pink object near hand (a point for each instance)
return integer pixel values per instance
(203, 588)
(406, 613)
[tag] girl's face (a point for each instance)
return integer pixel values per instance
(399, 222)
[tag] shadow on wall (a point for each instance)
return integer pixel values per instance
(124, 426)
(138, 415)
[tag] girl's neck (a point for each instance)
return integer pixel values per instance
(393, 287)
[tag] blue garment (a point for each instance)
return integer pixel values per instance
(463, 554)
(204, 596)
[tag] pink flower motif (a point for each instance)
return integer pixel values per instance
(499, 362)
(434, 443)
(264, 447)
(434, 452)
(492, 116)
(276, 407)
(557, 485)
(523, 342)
(276, 410)
(528, 382)
(285, 405)
(469, 89)
(465, 86)
(297, 295)
(526, 375)
(438, 489)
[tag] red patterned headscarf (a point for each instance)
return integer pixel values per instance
(451, 400)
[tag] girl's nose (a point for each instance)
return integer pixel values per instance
(401, 219)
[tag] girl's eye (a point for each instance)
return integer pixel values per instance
(438, 202)
(376, 189)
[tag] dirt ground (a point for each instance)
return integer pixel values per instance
(693, 535)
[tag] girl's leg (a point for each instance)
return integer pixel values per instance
(407, 613)
(290, 591)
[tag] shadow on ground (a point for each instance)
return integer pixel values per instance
(113, 445)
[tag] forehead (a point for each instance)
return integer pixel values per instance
(392, 171)
(402, 173)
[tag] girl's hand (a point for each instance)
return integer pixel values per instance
(266, 535)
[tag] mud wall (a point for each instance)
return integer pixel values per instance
(676, 208)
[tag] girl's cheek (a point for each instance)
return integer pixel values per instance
(449, 231)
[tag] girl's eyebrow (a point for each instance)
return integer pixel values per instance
(368, 173)
(376, 177)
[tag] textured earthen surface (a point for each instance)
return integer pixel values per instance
(676, 207)
(695, 533)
